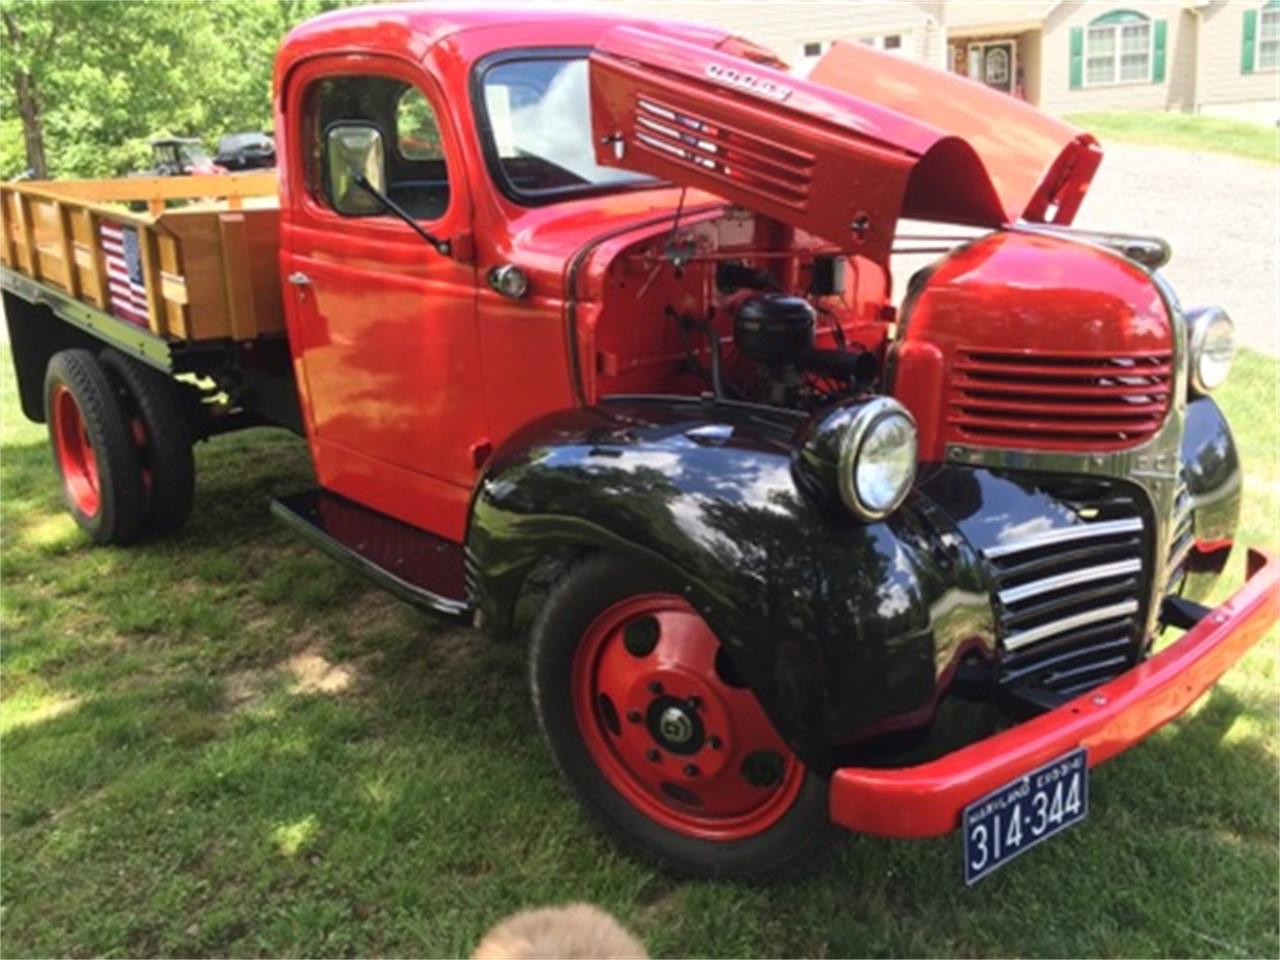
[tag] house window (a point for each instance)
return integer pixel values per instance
(811, 52)
(891, 42)
(1118, 49)
(1269, 37)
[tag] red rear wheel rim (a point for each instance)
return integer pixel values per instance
(75, 454)
(688, 748)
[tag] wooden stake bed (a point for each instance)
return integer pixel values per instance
(204, 254)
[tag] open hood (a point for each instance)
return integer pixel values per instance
(877, 139)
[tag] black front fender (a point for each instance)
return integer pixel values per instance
(839, 627)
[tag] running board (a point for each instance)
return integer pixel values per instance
(418, 567)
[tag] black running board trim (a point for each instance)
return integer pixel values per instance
(293, 512)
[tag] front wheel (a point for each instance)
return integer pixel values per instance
(657, 735)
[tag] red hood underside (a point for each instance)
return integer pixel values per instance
(868, 139)
(1038, 166)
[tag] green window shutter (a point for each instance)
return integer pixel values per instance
(1250, 41)
(1077, 57)
(1157, 56)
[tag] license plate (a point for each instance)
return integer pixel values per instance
(1014, 818)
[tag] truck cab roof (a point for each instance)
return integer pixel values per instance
(410, 30)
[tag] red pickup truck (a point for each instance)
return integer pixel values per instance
(590, 327)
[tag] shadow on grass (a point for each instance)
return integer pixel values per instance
(173, 784)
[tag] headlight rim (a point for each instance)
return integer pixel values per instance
(1200, 320)
(865, 418)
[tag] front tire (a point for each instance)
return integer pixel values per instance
(92, 449)
(657, 737)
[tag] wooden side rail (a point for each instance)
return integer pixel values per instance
(203, 270)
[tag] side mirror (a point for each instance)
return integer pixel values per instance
(353, 151)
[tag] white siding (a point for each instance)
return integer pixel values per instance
(1224, 87)
(787, 27)
(1177, 92)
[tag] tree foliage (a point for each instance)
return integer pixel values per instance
(94, 82)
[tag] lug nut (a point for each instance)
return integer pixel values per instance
(653, 756)
(714, 742)
(655, 687)
(695, 703)
(633, 716)
(690, 770)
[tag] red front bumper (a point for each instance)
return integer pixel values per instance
(928, 799)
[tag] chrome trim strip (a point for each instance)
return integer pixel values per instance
(1180, 555)
(1106, 528)
(1102, 571)
(1150, 252)
(1123, 609)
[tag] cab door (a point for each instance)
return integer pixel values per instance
(382, 325)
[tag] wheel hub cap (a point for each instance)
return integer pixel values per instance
(674, 726)
(679, 741)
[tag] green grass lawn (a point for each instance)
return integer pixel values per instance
(226, 744)
(1251, 140)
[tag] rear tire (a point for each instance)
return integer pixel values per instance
(162, 435)
(665, 751)
(92, 449)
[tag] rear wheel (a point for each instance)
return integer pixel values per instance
(92, 449)
(659, 738)
(162, 436)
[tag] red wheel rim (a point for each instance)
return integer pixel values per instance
(75, 454)
(138, 430)
(688, 748)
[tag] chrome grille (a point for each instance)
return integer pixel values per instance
(1180, 541)
(1070, 601)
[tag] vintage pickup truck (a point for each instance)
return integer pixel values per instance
(589, 324)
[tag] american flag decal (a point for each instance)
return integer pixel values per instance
(125, 283)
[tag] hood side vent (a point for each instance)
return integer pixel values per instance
(768, 169)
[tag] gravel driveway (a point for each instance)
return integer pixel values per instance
(1220, 213)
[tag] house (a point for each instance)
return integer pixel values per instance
(1217, 57)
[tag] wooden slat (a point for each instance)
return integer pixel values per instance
(237, 275)
(257, 184)
(8, 255)
(151, 277)
(30, 253)
(173, 288)
(98, 268)
(68, 250)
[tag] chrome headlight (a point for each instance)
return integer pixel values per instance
(1211, 347)
(877, 458)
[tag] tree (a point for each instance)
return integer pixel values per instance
(27, 46)
(92, 83)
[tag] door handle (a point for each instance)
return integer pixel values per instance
(299, 279)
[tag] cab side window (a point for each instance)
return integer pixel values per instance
(416, 175)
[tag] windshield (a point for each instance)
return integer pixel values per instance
(538, 117)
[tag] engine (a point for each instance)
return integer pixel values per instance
(776, 334)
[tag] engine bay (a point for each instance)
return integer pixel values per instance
(743, 308)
